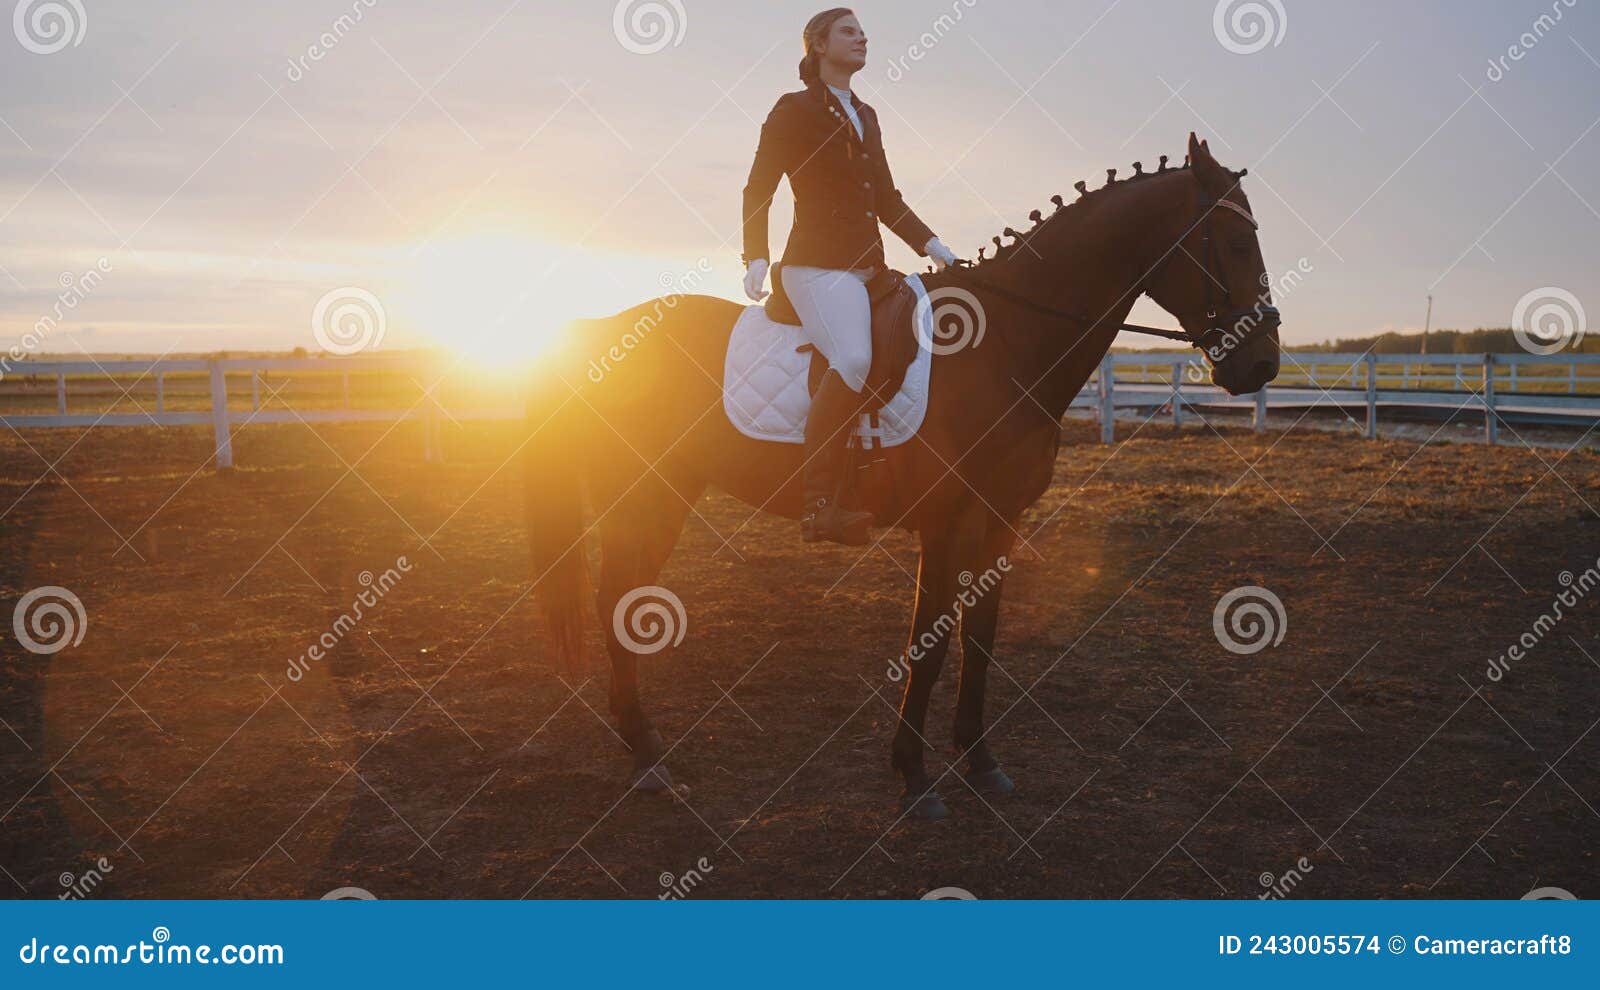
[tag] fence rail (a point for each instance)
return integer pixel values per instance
(1557, 388)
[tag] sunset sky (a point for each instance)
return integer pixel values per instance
(487, 167)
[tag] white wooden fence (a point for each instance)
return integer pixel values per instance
(1561, 388)
(1555, 388)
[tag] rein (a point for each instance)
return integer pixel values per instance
(1063, 314)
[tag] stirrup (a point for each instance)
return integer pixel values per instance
(827, 521)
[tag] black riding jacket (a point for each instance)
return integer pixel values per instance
(841, 183)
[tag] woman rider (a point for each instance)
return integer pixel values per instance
(829, 145)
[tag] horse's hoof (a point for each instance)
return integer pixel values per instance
(991, 783)
(927, 806)
(652, 780)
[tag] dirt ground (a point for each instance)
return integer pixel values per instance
(433, 752)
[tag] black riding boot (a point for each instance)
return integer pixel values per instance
(833, 410)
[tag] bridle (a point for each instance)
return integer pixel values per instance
(1218, 339)
(1221, 336)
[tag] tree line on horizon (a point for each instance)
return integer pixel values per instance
(1494, 340)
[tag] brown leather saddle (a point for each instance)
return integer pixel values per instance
(894, 336)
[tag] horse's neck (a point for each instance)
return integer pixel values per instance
(1092, 269)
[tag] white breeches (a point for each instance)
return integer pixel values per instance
(836, 316)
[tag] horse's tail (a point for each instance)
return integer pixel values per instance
(553, 471)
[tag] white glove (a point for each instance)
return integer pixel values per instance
(754, 276)
(942, 256)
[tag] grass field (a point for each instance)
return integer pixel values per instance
(433, 752)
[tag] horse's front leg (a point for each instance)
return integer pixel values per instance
(933, 624)
(980, 620)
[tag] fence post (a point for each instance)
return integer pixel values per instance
(161, 392)
(1511, 384)
(61, 394)
(219, 416)
(1372, 396)
(1261, 409)
(1177, 394)
(1572, 377)
(255, 390)
(1108, 409)
(1491, 425)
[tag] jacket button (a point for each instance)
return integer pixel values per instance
(870, 215)
(866, 185)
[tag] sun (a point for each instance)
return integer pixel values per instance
(498, 299)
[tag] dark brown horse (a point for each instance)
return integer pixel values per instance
(631, 408)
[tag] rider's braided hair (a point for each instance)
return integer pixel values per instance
(816, 33)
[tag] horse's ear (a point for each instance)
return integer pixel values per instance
(1194, 147)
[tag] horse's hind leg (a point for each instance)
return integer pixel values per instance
(636, 538)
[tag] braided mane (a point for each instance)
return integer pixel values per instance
(1004, 252)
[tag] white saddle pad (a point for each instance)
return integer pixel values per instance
(764, 382)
